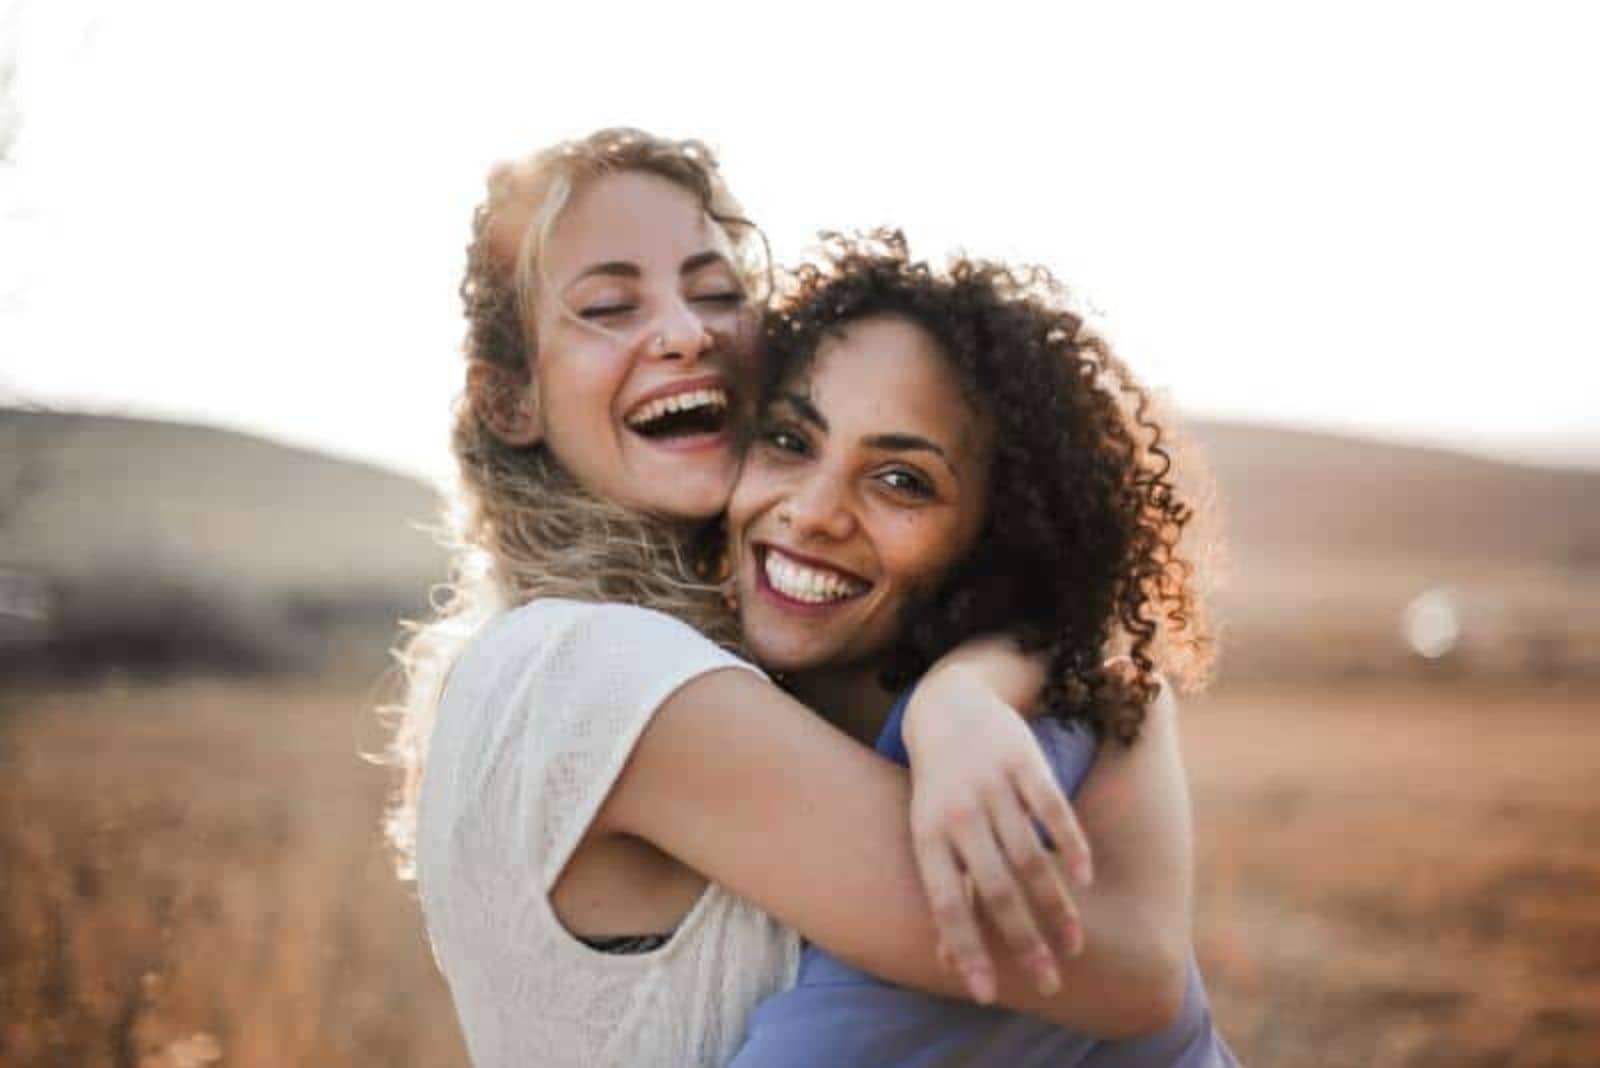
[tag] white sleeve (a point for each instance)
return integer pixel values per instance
(597, 676)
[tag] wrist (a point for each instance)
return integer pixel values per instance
(945, 694)
(1000, 667)
(948, 705)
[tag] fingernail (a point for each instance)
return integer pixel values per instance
(981, 983)
(1074, 940)
(1047, 978)
(1083, 871)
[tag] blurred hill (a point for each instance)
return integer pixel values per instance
(1289, 491)
(248, 553)
(1345, 556)
(172, 542)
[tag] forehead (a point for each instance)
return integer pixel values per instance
(631, 217)
(887, 375)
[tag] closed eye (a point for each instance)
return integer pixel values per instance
(730, 299)
(606, 311)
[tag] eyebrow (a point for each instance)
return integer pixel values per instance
(624, 269)
(911, 443)
(906, 443)
(702, 259)
(888, 442)
(611, 269)
(807, 411)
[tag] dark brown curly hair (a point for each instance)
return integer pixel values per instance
(1078, 556)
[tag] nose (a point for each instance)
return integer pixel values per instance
(818, 507)
(679, 334)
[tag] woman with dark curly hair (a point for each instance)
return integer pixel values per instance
(942, 456)
(618, 825)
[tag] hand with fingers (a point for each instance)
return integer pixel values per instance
(992, 831)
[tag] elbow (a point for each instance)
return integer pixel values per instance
(1154, 992)
(1167, 992)
(1156, 1009)
(1168, 985)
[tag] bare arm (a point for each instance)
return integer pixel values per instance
(759, 794)
(1134, 807)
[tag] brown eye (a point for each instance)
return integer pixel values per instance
(785, 440)
(907, 482)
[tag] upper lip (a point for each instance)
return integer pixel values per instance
(672, 389)
(811, 561)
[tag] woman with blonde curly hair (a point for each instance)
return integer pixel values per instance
(617, 824)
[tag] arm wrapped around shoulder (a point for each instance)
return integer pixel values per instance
(590, 678)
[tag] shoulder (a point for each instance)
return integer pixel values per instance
(627, 638)
(1071, 749)
(568, 674)
(604, 662)
(548, 617)
(550, 703)
(575, 673)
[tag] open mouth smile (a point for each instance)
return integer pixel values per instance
(805, 582)
(692, 410)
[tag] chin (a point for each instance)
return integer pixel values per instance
(773, 653)
(698, 496)
(788, 666)
(688, 505)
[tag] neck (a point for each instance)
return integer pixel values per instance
(849, 698)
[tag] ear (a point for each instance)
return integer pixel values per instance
(507, 402)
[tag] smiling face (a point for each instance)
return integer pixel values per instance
(641, 322)
(866, 483)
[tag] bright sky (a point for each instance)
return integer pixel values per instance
(1379, 217)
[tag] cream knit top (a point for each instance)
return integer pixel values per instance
(537, 721)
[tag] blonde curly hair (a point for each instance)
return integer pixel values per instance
(519, 526)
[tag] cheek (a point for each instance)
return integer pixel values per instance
(752, 495)
(579, 385)
(918, 550)
(596, 369)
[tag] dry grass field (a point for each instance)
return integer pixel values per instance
(191, 876)
(1399, 857)
(1401, 875)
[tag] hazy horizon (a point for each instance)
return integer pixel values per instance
(1575, 460)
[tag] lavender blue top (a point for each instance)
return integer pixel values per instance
(839, 1016)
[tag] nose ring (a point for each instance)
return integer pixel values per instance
(659, 342)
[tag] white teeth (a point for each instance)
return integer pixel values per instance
(802, 583)
(715, 397)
